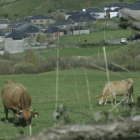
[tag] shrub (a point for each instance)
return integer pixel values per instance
(6, 67)
(23, 67)
(6, 55)
(127, 57)
(123, 25)
(41, 38)
(31, 57)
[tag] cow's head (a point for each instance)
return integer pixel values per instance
(102, 99)
(26, 116)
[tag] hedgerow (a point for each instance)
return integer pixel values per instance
(128, 57)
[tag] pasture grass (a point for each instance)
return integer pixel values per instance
(97, 36)
(81, 51)
(42, 88)
(22, 8)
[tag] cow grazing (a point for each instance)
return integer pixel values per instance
(15, 97)
(117, 88)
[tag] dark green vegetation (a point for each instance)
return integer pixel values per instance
(71, 84)
(21, 8)
(75, 86)
(33, 62)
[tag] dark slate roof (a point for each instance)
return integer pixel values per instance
(28, 28)
(137, 2)
(84, 17)
(94, 10)
(53, 29)
(64, 22)
(74, 13)
(16, 35)
(20, 21)
(126, 6)
(39, 17)
(116, 4)
(40, 26)
(135, 7)
(4, 21)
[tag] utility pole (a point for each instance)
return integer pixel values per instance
(58, 36)
(80, 30)
(105, 32)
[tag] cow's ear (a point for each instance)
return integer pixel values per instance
(35, 114)
(19, 111)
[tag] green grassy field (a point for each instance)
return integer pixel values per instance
(97, 36)
(81, 51)
(42, 88)
(87, 50)
(21, 8)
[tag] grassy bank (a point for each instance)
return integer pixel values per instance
(97, 36)
(42, 88)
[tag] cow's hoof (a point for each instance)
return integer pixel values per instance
(6, 121)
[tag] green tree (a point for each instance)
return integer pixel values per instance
(123, 25)
(41, 38)
(60, 16)
(31, 57)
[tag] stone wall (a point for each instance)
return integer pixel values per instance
(77, 32)
(15, 46)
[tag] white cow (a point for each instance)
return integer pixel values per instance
(117, 88)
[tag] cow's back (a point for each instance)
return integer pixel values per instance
(118, 87)
(12, 94)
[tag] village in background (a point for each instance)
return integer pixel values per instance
(41, 31)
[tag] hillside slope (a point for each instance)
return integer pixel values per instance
(21, 8)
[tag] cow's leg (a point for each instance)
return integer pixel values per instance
(128, 97)
(6, 114)
(132, 99)
(105, 101)
(114, 98)
(131, 93)
(131, 96)
(16, 117)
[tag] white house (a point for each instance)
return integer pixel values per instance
(4, 23)
(115, 5)
(15, 42)
(100, 14)
(2, 35)
(112, 13)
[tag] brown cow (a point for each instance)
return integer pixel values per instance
(116, 88)
(16, 98)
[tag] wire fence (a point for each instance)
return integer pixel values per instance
(81, 108)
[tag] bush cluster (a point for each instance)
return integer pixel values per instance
(128, 57)
(23, 67)
(94, 44)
